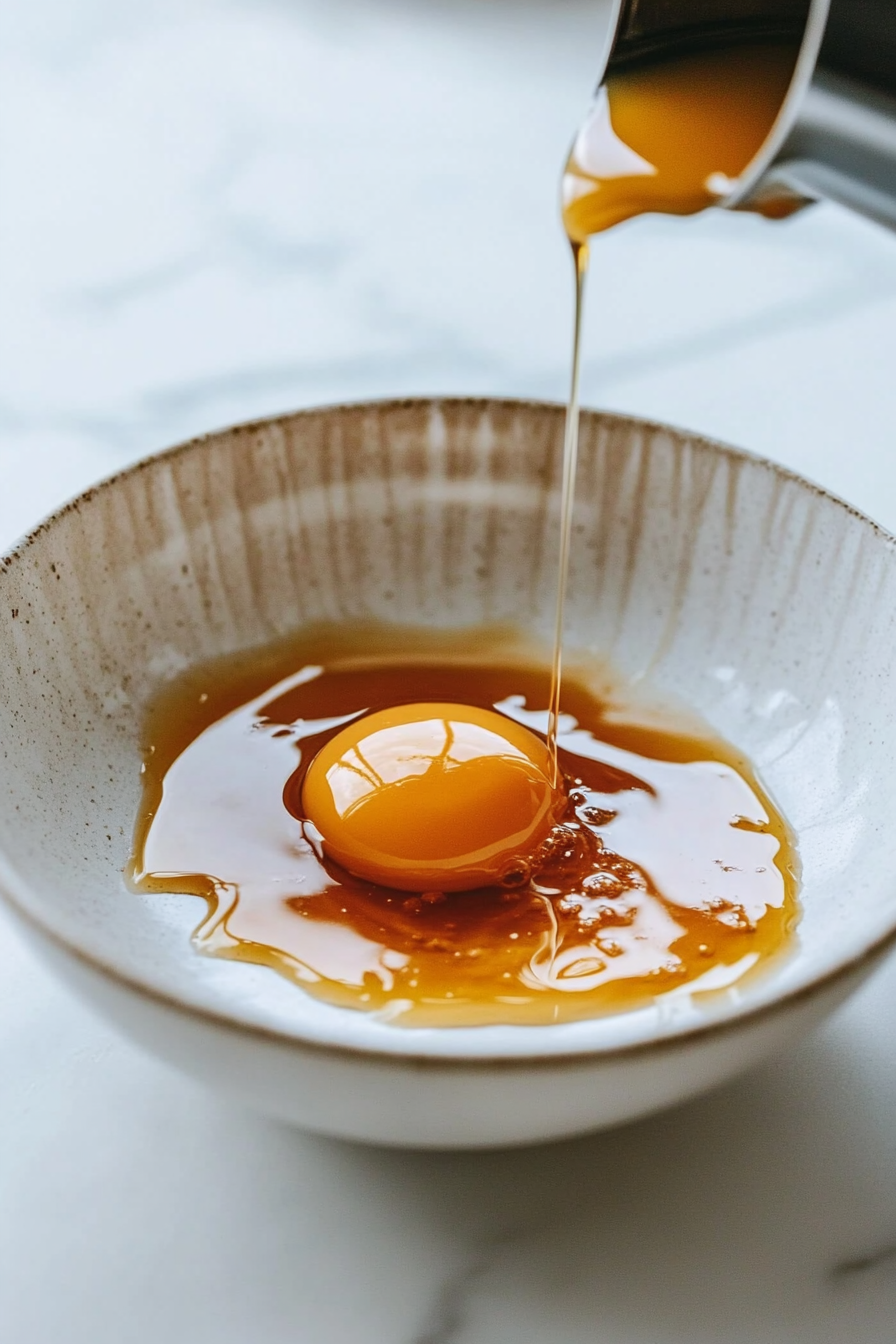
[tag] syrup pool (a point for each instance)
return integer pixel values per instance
(675, 137)
(666, 865)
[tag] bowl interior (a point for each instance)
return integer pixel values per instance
(716, 578)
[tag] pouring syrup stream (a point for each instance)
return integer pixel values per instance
(671, 138)
(567, 503)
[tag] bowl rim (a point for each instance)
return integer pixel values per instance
(576, 1056)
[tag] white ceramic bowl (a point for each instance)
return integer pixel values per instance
(719, 578)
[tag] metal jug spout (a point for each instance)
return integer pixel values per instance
(835, 134)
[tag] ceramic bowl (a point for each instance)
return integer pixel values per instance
(719, 579)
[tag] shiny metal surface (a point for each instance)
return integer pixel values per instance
(835, 136)
(655, 29)
(860, 42)
(841, 147)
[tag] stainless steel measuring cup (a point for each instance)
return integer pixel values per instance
(835, 134)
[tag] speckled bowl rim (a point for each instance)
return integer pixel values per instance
(575, 1057)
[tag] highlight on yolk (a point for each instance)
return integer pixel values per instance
(423, 797)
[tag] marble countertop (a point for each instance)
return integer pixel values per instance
(219, 209)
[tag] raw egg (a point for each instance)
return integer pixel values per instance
(664, 865)
(424, 797)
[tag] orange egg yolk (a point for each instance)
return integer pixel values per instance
(431, 797)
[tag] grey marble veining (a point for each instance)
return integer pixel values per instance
(216, 209)
(225, 209)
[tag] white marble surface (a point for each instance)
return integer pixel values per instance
(218, 210)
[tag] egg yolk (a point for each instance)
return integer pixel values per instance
(431, 797)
